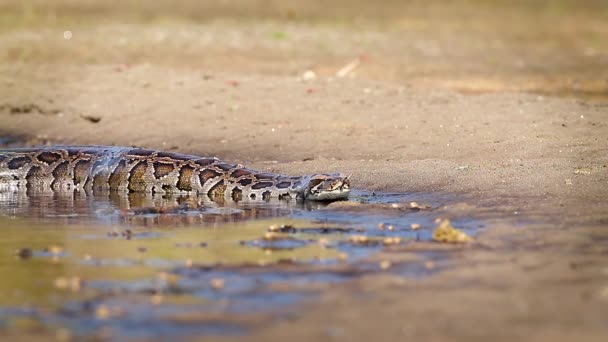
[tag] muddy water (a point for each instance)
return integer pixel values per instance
(131, 267)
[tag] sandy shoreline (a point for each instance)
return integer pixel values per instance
(442, 116)
(388, 136)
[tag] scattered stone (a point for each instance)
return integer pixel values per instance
(284, 228)
(415, 205)
(24, 253)
(308, 75)
(102, 312)
(127, 233)
(217, 283)
(91, 118)
(415, 226)
(72, 283)
(391, 241)
(385, 264)
(359, 239)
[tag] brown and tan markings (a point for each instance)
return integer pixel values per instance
(123, 169)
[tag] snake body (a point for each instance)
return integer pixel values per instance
(125, 169)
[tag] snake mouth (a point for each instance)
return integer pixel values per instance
(331, 189)
(329, 195)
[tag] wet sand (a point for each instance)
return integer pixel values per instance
(505, 113)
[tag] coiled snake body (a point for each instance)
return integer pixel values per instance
(124, 169)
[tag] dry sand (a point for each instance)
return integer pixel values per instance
(436, 106)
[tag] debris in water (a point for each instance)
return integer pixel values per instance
(24, 253)
(217, 283)
(53, 250)
(102, 312)
(284, 228)
(445, 232)
(415, 226)
(385, 264)
(359, 239)
(73, 283)
(392, 241)
(416, 206)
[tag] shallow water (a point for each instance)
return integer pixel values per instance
(134, 267)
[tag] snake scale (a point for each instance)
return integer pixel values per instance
(125, 169)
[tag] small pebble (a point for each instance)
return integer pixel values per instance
(24, 253)
(391, 241)
(270, 236)
(156, 299)
(102, 312)
(73, 283)
(415, 226)
(309, 75)
(358, 239)
(385, 264)
(217, 283)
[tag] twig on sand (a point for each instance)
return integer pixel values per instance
(348, 68)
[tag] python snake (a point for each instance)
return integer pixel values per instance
(125, 169)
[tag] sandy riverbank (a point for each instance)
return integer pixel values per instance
(440, 110)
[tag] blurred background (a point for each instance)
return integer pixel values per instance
(545, 46)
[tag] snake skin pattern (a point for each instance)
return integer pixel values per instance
(124, 169)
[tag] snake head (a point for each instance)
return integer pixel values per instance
(323, 187)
